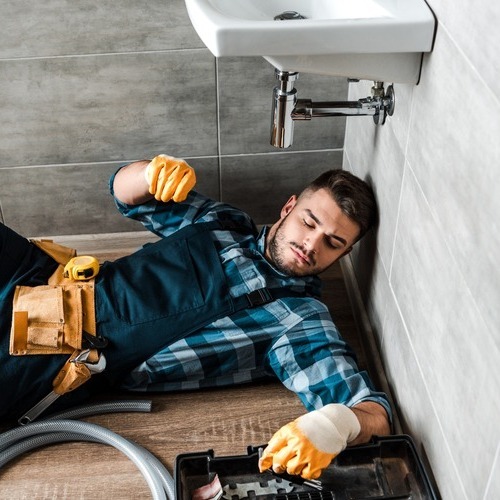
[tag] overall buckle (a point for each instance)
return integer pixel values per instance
(259, 297)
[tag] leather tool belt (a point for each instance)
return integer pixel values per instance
(51, 319)
(57, 318)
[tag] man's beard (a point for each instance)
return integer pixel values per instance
(277, 246)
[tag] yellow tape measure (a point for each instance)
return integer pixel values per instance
(83, 267)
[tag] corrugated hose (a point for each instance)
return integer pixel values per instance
(60, 428)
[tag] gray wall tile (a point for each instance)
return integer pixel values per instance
(62, 27)
(96, 108)
(494, 483)
(377, 290)
(245, 94)
(469, 184)
(262, 184)
(96, 84)
(75, 199)
(414, 402)
(471, 26)
(441, 210)
(439, 321)
(375, 156)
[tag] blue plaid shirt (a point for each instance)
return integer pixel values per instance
(293, 338)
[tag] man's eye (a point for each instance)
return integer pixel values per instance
(306, 223)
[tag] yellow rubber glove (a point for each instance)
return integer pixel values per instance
(169, 178)
(307, 445)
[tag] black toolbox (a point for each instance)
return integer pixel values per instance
(386, 468)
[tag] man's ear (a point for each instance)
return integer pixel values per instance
(287, 207)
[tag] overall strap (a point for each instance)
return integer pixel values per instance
(227, 224)
(263, 296)
(255, 298)
(213, 225)
(260, 296)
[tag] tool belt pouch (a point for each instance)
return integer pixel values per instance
(72, 375)
(49, 319)
(61, 254)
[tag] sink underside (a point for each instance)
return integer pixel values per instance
(355, 38)
(402, 67)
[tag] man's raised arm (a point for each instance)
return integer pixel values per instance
(130, 185)
(164, 178)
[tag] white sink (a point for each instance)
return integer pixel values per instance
(373, 39)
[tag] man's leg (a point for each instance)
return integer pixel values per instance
(21, 262)
(24, 379)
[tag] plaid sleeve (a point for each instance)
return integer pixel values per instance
(312, 360)
(164, 219)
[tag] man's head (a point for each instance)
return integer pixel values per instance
(321, 224)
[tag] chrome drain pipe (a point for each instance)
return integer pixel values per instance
(284, 100)
(287, 108)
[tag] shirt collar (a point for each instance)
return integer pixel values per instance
(261, 240)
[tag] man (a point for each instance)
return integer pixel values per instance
(215, 302)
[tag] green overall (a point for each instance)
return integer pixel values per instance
(162, 293)
(148, 300)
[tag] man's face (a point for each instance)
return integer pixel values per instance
(311, 234)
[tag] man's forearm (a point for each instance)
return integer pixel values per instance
(372, 419)
(130, 184)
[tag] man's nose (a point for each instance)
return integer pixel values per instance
(311, 242)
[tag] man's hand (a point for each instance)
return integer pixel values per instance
(307, 445)
(169, 178)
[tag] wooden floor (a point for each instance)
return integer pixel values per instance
(225, 420)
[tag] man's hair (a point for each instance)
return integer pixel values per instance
(353, 195)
